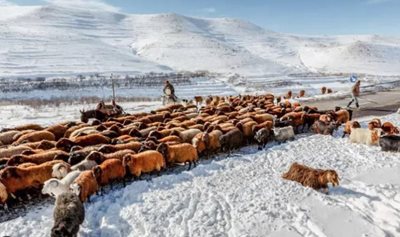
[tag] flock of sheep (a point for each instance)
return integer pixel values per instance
(74, 160)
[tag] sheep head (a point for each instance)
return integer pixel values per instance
(163, 149)
(50, 185)
(60, 170)
(97, 173)
(45, 145)
(95, 156)
(107, 149)
(65, 144)
(15, 160)
(330, 176)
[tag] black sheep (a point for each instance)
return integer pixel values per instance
(68, 215)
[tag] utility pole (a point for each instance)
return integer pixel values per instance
(113, 86)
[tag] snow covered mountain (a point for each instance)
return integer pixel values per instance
(65, 39)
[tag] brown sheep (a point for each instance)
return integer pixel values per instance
(38, 158)
(15, 179)
(58, 130)
(44, 145)
(144, 162)
(6, 138)
(341, 116)
(85, 185)
(170, 139)
(100, 158)
(295, 119)
(329, 91)
(374, 123)
(200, 142)
(134, 146)
(389, 128)
(247, 130)
(13, 150)
(179, 153)
(35, 137)
(309, 177)
(108, 171)
(323, 90)
(87, 140)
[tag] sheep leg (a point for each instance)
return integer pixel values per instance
(344, 134)
(190, 165)
(123, 181)
(88, 199)
(195, 163)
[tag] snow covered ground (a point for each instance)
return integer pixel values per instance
(244, 195)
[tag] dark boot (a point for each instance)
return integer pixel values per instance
(357, 105)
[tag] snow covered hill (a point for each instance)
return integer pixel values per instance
(64, 39)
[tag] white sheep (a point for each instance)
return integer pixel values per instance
(84, 165)
(55, 187)
(60, 170)
(283, 134)
(365, 136)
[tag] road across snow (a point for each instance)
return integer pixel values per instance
(244, 195)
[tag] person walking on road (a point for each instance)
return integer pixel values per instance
(355, 93)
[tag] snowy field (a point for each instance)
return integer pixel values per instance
(244, 195)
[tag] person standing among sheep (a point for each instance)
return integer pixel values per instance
(355, 93)
(169, 91)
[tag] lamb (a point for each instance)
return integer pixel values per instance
(144, 162)
(309, 177)
(69, 214)
(55, 187)
(262, 137)
(179, 153)
(365, 136)
(36, 136)
(231, 140)
(283, 134)
(85, 185)
(390, 143)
